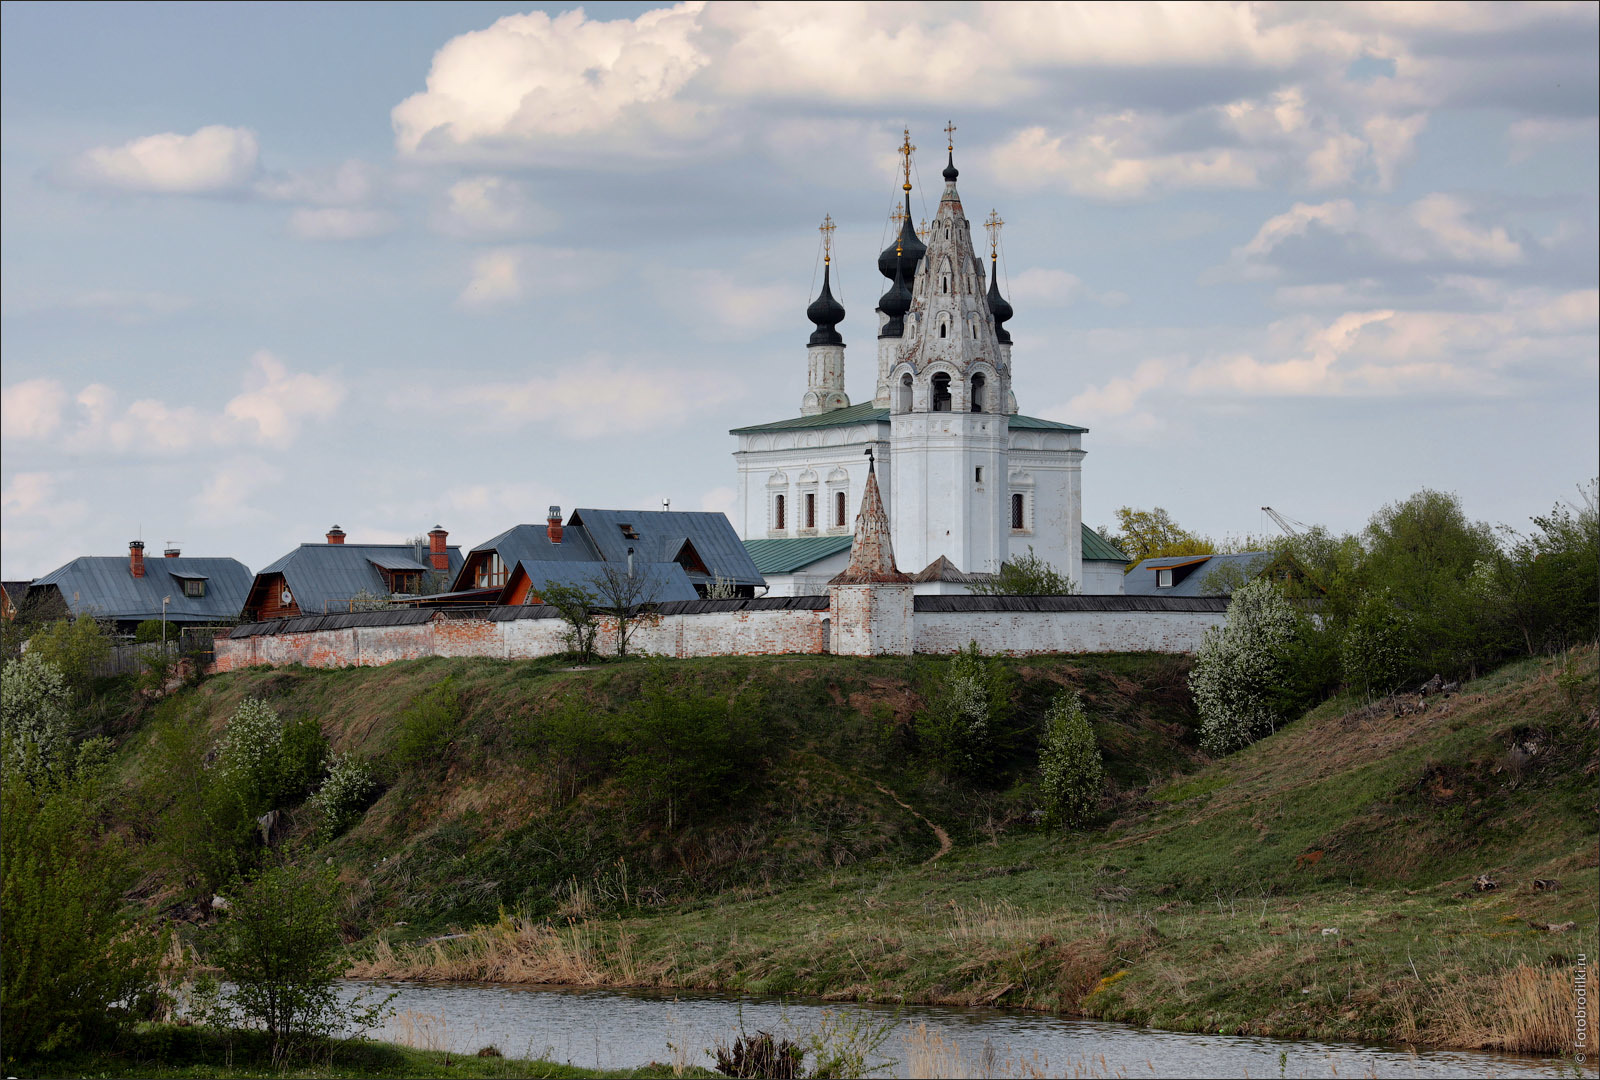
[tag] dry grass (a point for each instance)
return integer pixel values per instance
(513, 950)
(1526, 1010)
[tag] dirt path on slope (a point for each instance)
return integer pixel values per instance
(944, 838)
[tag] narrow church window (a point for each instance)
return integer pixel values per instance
(777, 513)
(838, 508)
(942, 329)
(811, 510)
(974, 331)
(1016, 511)
(977, 474)
(941, 392)
(905, 393)
(977, 392)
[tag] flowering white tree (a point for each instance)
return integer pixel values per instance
(35, 709)
(1240, 668)
(344, 794)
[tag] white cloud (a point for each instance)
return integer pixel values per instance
(490, 207)
(727, 305)
(496, 280)
(1046, 287)
(278, 401)
(597, 397)
(347, 184)
(340, 223)
(232, 493)
(214, 159)
(127, 307)
(532, 76)
(31, 409)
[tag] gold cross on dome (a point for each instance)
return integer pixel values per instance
(826, 228)
(950, 135)
(993, 223)
(922, 230)
(906, 150)
(898, 214)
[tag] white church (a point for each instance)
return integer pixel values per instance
(968, 481)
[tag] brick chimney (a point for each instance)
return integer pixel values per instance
(552, 524)
(438, 554)
(336, 535)
(170, 553)
(136, 558)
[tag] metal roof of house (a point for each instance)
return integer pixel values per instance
(1097, 548)
(663, 581)
(389, 561)
(531, 543)
(659, 535)
(786, 554)
(1141, 580)
(103, 586)
(869, 413)
(323, 577)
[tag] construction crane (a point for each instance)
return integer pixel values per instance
(1289, 525)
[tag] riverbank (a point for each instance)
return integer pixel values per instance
(1324, 883)
(163, 1051)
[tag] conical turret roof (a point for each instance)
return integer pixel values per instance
(871, 553)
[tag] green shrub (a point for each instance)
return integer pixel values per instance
(1070, 769)
(74, 647)
(266, 762)
(1379, 649)
(75, 967)
(345, 795)
(426, 727)
(152, 631)
(958, 730)
(1240, 668)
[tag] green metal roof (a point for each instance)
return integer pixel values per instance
(868, 413)
(786, 554)
(1097, 548)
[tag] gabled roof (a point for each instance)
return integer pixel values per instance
(1097, 548)
(1141, 580)
(659, 536)
(103, 586)
(868, 413)
(786, 554)
(531, 543)
(942, 569)
(663, 581)
(323, 577)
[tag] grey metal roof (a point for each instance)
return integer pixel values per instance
(531, 543)
(304, 624)
(663, 581)
(1070, 603)
(1141, 580)
(662, 532)
(388, 561)
(103, 586)
(324, 576)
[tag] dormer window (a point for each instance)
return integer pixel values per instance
(195, 587)
(491, 572)
(629, 532)
(1164, 578)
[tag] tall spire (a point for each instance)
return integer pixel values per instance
(825, 348)
(826, 312)
(899, 260)
(871, 553)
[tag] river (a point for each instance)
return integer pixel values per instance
(622, 1029)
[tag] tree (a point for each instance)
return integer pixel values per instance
(76, 647)
(35, 710)
(1070, 770)
(76, 967)
(1150, 534)
(1544, 584)
(622, 595)
(576, 605)
(1027, 575)
(957, 731)
(279, 944)
(1379, 646)
(1240, 667)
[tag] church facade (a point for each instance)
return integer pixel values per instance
(969, 482)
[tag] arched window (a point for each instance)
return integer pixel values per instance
(811, 510)
(941, 392)
(905, 393)
(974, 331)
(944, 285)
(1016, 512)
(978, 382)
(942, 329)
(777, 513)
(838, 509)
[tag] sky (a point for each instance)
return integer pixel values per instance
(265, 268)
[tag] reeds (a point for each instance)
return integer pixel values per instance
(1526, 1009)
(512, 950)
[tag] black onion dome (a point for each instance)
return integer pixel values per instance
(827, 313)
(905, 252)
(950, 170)
(895, 303)
(999, 309)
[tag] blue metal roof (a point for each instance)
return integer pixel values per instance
(1141, 580)
(323, 577)
(104, 586)
(659, 536)
(663, 581)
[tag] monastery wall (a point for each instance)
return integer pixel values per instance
(1012, 626)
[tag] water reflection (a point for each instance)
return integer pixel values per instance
(612, 1029)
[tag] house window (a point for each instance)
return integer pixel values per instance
(941, 391)
(1017, 518)
(491, 572)
(403, 581)
(1164, 579)
(629, 532)
(838, 509)
(194, 587)
(777, 514)
(811, 510)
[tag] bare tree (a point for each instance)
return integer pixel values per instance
(623, 593)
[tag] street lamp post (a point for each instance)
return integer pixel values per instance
(165, 600)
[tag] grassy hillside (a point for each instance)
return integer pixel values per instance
(1320, 882)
